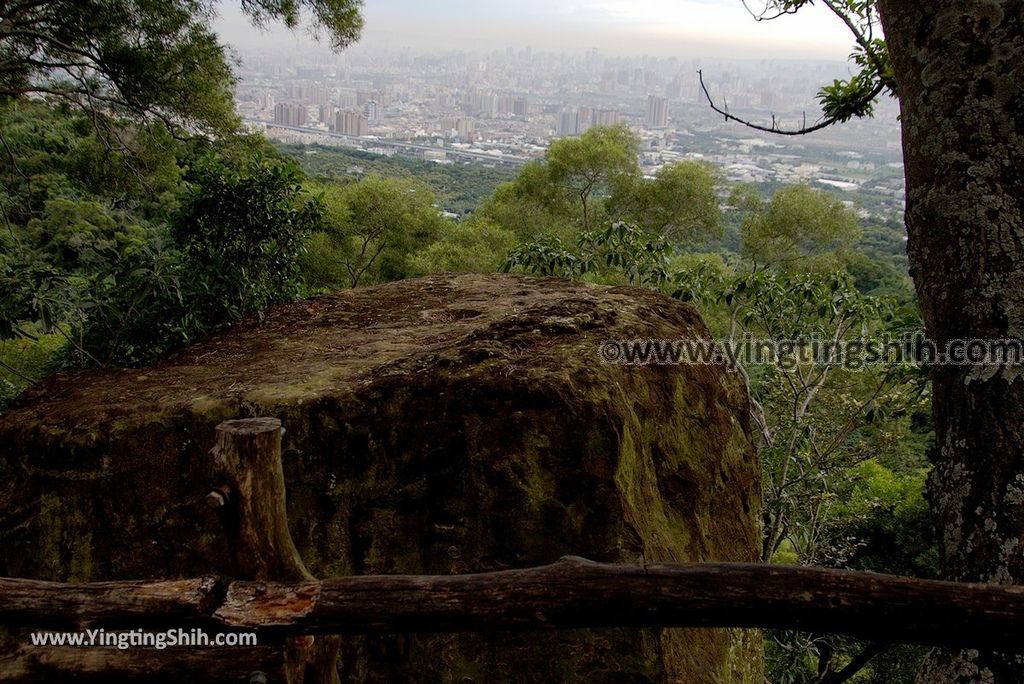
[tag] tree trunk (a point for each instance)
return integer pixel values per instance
(247, 454)
(958, 68)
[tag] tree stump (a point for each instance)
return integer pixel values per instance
(247, 455)
(251, 498)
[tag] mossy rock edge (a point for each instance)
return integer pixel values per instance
(447, 424)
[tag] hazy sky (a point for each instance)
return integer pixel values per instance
(716, 28)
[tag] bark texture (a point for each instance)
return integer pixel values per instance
(958, 67)
(247, 456)
(570, 593)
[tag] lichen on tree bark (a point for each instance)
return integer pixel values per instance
(958, 67)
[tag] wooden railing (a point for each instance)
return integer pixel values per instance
(299, 619)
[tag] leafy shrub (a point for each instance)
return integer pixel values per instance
(241, 233)
(126, 293)
(370, 232)
(472, 246)
(619, 252)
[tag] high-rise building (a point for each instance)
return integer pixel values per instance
(464, 128)
(605, 117)
(489, 105)
(568, 123)
(769, 100)
(327, 115)
(657, 112)
(310, 72)
(674, 89)
(351, 123)
(520, 106)
(371, 110)
(319, 95)
(290, 114)
(506, 105)
(586, 119)
(347, 99)
(281, 113)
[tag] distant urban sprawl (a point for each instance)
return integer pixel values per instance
(504, 108)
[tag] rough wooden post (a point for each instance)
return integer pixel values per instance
(247, 456)
(251, 498)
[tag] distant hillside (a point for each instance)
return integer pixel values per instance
(461, 187)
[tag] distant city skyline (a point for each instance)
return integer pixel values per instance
(686, 28)
(464, 83)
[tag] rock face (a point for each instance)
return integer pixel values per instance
(441, 425)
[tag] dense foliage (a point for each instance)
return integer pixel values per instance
(121, 255)
(586, 182)
(460, 187)
(127, 264)
(842, 441)
(241, 232)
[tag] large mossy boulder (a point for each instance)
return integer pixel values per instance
(449, 424)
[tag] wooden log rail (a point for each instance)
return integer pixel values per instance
(570, 593)
(299, 617)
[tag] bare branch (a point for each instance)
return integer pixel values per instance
(766, 14)
(854, 666)
(774, 127)
(15, 372)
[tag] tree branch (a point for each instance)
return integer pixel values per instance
(774, 127)
(854, 666)
(15, 372)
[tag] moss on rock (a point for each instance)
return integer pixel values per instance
(447, 424)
